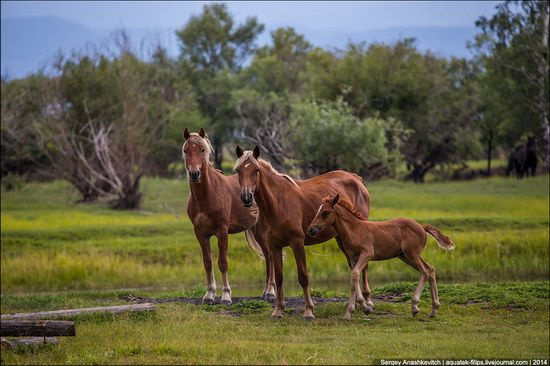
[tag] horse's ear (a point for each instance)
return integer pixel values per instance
(239, 151)
(202, 133)
(256, 152)
(186, 134)
(335, 200)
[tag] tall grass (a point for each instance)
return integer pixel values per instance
(49, 243)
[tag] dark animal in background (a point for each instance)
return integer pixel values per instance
(524, 159)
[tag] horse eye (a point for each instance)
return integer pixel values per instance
(202, 150)
(185, 151)
(325, 214)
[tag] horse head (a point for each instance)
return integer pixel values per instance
(196, 152)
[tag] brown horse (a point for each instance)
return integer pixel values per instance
(215, 210)
(365, 240)
(287, 206)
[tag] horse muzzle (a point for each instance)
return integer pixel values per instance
(313, 230)
(194, 176)
(247, 199)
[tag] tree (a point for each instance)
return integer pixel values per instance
(327, 136)
(212, 49)
(513, 45)
(268, 87)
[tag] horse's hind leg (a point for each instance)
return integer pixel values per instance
(204, 241)
(277, 257)
(366, 291)
(416, 263)
(223, 265)
(433, 288)
(301, 264)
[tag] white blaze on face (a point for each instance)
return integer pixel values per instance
(319, 210)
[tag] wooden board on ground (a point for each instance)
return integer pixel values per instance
(72, 312)
(22, 342)
(44, 328)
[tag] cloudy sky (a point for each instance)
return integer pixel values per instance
(350, 16)
(33, 31)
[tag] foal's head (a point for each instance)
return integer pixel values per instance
(325, 216)
(196, 152)
(248, 169)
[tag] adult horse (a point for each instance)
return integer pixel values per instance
(215, 210)
(523, 159)
(286, 208)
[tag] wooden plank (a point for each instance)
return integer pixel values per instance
(44, 328)
(72, 312)
(24, 342)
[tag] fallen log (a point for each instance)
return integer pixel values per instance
(22, 342)
(72, 312)
(44, 328)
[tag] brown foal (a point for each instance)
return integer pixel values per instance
(215, 210)
(365, 240)
(287, 206)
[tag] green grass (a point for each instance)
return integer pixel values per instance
(58, 254)
(49, 243)
(481, 320)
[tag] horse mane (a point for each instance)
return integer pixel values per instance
(202, 141)
(248, 155)
(348, 206)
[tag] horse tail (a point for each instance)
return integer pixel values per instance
(443, 241)
(253, 243)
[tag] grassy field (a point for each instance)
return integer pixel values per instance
(481, 320)
(59, 254)
(49, 243)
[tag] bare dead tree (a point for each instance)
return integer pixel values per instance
(265, 128)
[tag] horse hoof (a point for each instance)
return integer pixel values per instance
(309, 317)
(269, 297)
(347, 317)
(432, 315)
(226, 302)
(276, 316)
(207, 301)
(415, 312)
(369, 309)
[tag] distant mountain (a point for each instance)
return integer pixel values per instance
(27, 43)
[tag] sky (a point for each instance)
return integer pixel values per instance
(33, 31)
(349, 16)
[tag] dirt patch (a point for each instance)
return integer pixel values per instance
(291, 302)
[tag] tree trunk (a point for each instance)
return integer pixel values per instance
(489, 153)
(543, 76)
(218, 152)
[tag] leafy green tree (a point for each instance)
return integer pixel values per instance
(513, 46)
(267, 88)
(212, 50)
(327, 136)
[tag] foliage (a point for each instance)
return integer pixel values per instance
(513, 48)
(435, 113)
(212, 49)
(327, 136)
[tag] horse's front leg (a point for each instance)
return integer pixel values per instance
(355, 288)
(300, 257)
(223, 265)
(277, 257)
(204, 241)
